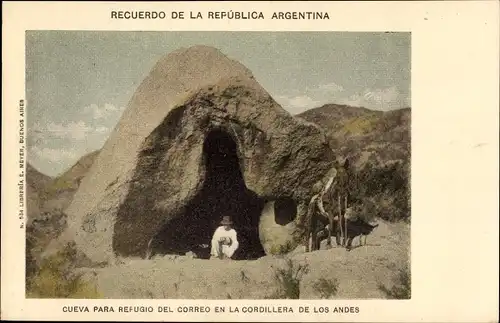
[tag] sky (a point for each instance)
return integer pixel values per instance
(78, 83)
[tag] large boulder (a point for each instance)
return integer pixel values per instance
(199, 139)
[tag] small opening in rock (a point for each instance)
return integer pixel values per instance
(224, 193)
(285, 211)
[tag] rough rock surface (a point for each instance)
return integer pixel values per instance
(276, 232)
(153, 164)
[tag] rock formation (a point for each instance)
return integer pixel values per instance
(199, 139)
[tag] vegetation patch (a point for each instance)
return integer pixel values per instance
(401, 288)
(288, 280)
(58, 186)
(55, 278)
(382, 192)
(359, 126)
(326, 288)
(282, 249)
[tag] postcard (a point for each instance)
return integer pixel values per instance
(250, 161)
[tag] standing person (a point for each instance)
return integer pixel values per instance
(224, 240)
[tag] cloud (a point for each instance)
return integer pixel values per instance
(382, 99)
(102, 129)
(297, 104)
(100, 121)
(407, 102)
(377, 99)
(329, 88)
(104, 112)
(54, 155)
(36, 133)
(55, 146)
(312, 97)
(74, 130)
(382, 96)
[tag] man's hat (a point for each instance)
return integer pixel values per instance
(226, 220)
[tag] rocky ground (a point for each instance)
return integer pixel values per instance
(359, 272)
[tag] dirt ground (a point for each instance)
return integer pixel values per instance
(358, 272)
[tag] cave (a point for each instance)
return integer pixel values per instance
(223, 193)
(285, 211)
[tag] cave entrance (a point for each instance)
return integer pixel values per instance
(223, 193)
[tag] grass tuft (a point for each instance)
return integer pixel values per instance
(401, 288)
(326, 288)
(288, 280)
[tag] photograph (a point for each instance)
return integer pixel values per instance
(222, 165)
(214, 161)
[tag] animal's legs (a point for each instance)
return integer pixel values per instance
(345, 220)
(314, 235)
(306, 238)
(321, 207)
(149, 250)
(340, 220)
(308, 222)
(330, 228)
(337, 234)
(349, 243)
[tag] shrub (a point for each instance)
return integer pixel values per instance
(358, 125)
(382, 191)
(401, 288)
(283, 249)
(39, 233)
(55, 278)
(288, 280)
(58, 186)
(326, 287)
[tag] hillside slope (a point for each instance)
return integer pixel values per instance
(35, 187)
(59, 192)
(46, 200)
(378, 145)
(365, 135)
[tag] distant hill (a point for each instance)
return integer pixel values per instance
(35, 187)
(59, 192)
(35, 178)
(365, 135)
(378, 145)
(47, 199)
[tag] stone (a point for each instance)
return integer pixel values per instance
(157, 180)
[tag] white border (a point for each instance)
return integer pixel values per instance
(454, 151)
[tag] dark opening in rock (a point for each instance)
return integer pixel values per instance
(285, 211)
(223, 193)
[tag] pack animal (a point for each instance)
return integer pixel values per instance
(337, 193)
(357, 228)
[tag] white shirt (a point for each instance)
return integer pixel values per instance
(227, 250)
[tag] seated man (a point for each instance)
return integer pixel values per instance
(224, 240)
